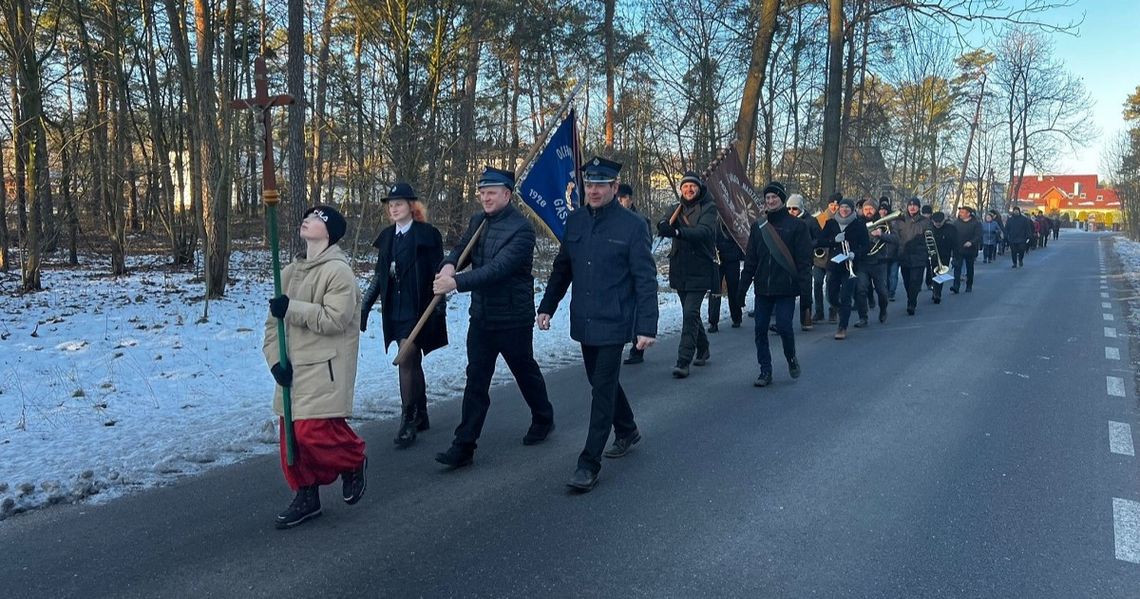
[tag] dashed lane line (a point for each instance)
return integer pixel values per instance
(1110, 332)
(1111, 353)
(1126, 529)
(1108, 316)
(1105, 305)
(1115, 386)
(1120, 438)
(1104, 295)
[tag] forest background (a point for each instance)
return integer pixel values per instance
(117, 135)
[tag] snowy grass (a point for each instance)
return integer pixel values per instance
(110, 385)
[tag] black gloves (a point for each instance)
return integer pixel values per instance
(664, 229)
(283, 376)
(279, 305)
(363, 320)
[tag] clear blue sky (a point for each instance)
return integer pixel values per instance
(1106, 55)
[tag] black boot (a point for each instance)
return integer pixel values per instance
(713, 327)
(306, 505)
(407, 434)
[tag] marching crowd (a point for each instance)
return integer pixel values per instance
(848, 258)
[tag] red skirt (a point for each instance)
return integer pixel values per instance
(326, 447)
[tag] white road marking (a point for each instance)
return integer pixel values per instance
(1104, 294)
(1110, 332)
(1115, 386)
(1106, 305)
(1111, 353)
(1120, 438)
(1126, 529)
(1108, 316)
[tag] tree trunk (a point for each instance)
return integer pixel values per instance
(5, 243)
(320, 126)
(215, 144)
(464, 154)
(295, 82)
(833, 98)
(754, 81)
(31, 125)
(608, 31)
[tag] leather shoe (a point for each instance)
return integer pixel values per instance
(583, 480)
(841, 334)
(680, 372)
(537, 433)
(622, 445)
(763, 380)
(455, 457)
(634, 359)
(736, 324)
(713, 327)
(862, 322)
(793, 368)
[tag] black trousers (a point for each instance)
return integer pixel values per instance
(693, 337)
(1017, 252)
(873, 279)
(484, 346)
(609, 407)
(730, 273)
(913, 280)
(966, 260)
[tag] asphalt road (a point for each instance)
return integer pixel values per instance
(968, 451)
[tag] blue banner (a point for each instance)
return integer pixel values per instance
(552, 187)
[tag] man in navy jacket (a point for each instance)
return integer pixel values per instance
(606, 253)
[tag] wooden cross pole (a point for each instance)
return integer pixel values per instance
(262, 102)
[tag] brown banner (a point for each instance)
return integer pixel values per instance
(736, 200)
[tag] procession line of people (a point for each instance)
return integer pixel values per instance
(849, 256)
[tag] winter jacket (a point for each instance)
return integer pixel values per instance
(500, 279)
(912, 241)
(971, 231)
(855, 233)
(606, 254)
(946, 239)
(692, 265)
(889, 250)
(991, 232)
(420, 273)
(726, 245)
(1018, 229)
(763, 269)
(322, 333)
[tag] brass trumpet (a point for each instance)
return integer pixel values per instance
(932, 252)
(847, 251)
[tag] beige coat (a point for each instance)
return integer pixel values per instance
(322, 332)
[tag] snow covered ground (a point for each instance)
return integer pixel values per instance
(110, 385)
(1129, 254)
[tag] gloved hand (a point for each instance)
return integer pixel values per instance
(664, 229)
(840, 237)
(279, 305)
(283, 376)
(363, 320)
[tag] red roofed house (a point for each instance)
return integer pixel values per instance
(1079, 196)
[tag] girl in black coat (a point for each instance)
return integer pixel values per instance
(410, 250)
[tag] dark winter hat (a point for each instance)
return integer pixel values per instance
(885, 202)
(400, 191)
(600, 170)
(938, 217)
(835, 198)
(777, 188)
(847, 202)
(914, 202)
(625, 190)
(333, 220)
(691, 177)
(927, 209)
(492, 176)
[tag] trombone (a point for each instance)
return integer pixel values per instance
(932, 252)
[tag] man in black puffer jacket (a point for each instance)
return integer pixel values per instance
(692, 266)
(502, 314)
(780, 267)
